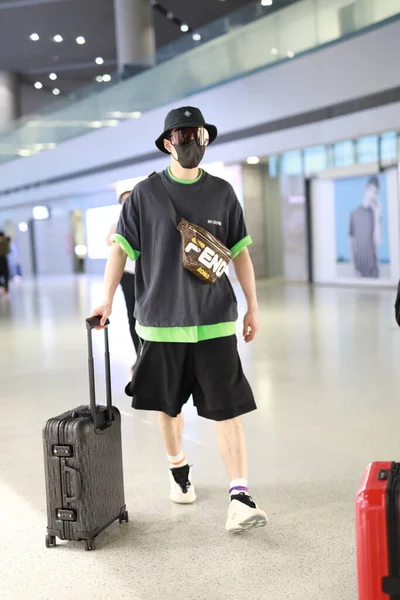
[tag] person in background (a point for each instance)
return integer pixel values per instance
(127, 283)
(365, 232)
(4, 270)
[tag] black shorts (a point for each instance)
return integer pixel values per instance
(167, 374)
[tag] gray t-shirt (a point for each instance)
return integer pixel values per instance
(167, 295)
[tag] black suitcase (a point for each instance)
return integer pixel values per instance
(83, 465)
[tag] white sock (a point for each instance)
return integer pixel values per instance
(177, 461)
(238, 486)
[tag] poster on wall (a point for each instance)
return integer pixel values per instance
(361, 228)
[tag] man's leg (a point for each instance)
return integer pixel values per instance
(171, 429)
(232, 445)
(182, 489)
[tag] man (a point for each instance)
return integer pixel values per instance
(365, 232)
(127, 283)
(4, 269)
(188, 327)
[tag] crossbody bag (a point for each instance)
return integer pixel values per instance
(204, 255)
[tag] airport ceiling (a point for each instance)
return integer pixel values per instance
(74, 63)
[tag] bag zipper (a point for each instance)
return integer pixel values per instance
(219, 245)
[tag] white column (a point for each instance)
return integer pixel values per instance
(8, 99)
(134, 33)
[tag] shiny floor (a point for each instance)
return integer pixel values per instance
(325, 370)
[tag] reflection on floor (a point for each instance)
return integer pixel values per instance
(325, 372)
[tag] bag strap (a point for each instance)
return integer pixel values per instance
(164, 198)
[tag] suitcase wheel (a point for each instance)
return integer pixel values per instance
(90, 545)
(50, 541)
(124, 517)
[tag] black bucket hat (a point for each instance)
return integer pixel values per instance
(186, 116)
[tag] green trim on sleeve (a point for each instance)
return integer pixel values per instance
(125, 245)
(187, 335)
(240, 246)
(185, 181)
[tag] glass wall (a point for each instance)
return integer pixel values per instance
(382, 149)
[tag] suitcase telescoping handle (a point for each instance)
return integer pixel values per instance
(91, 323)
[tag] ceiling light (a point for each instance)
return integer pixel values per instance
(58, 38)
(197, 37)
(80, 40)
(290, 54)
(56, 92)
(274, 51)
(40, 213)
(99, 78)
(23, 227)
(184, 28)
(106, 78)
(34, 37)
(267, 2)
(52, 146)
(99, 60)
(136, 115)
(112, 123)
(38, 85)
(253, 160)
(96, 124)
(53, 76)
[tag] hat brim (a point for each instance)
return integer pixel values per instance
(212, 130)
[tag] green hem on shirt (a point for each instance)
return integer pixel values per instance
(188, 335)
(240, 246)
(185, 181)
(125, 245)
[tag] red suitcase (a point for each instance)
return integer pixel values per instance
(378, 532)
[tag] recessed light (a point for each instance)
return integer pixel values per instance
(56, 92)
(53, 76)
(136, 114)
(196, 37)
(80, 40)
(38, 85)
(34, 37)
(290, 54)
(253, 160)
(184, 28)
(96, 124)
(23, 227)
(112, 123)
(267, 2)
(274, 51)
(58, 38)
(52, 146)
(99, 60)
(106, 78)
(99, 78)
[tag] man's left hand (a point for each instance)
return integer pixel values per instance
(250, 326)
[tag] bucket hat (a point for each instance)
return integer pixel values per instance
(186, 116)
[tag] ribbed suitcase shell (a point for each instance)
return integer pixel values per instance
(97, 458)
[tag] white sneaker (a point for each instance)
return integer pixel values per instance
(182, 489)
(244, 514)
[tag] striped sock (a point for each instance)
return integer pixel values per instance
(238, 486)
(177, 461)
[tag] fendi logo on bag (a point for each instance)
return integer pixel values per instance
(209, 258)
(203, 254)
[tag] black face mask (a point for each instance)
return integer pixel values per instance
(190, 155)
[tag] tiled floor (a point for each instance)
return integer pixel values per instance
(325, 369)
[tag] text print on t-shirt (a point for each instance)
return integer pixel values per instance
(208, 257)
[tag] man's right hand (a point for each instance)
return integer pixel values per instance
(103, 311)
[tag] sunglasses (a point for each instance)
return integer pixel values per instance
(182, 137)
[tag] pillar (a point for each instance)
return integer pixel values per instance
(9, 107)
(134, 34)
